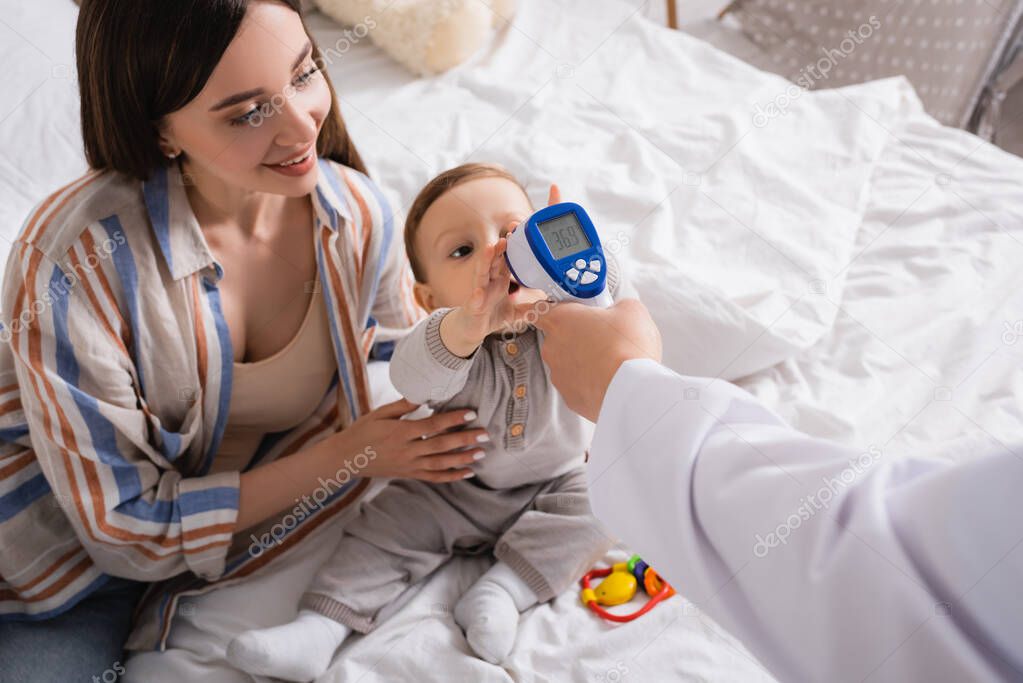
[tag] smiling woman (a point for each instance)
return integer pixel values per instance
(226, 206)
(209, 97)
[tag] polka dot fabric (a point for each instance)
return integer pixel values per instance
(947, 48)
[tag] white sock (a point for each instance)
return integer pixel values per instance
(489, 612)
(300, 650)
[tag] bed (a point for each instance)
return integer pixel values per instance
(848, 260)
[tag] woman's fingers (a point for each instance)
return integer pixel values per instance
(442, 477)
(442, 422)
(450, 441)
(395, 409)
(447, 461)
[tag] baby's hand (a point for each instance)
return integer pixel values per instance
(489, 307)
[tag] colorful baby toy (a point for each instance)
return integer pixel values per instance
(620, 586)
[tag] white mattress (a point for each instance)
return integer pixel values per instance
(852, 263)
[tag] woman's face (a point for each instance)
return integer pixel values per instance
(263, 105)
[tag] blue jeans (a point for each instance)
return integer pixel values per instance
(85, 643)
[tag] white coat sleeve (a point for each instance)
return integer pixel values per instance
(828, 562)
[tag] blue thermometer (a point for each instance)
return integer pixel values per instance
(558, 251)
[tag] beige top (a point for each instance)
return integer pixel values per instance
(278, 392)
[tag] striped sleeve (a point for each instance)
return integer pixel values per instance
(394, 306)
(95, 439)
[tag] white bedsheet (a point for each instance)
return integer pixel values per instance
(853, 263)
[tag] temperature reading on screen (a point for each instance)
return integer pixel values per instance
(564, 235)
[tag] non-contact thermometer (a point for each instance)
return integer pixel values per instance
(557, 250)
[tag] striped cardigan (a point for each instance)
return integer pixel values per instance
(116, 378)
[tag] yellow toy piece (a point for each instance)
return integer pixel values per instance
(618, 588)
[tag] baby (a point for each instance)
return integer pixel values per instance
(527, 500)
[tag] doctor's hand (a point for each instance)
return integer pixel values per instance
(584, 346)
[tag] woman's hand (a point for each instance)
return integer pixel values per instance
(396, 447)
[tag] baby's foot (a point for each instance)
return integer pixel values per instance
(489, 612)
(488, 615)
(298, 651)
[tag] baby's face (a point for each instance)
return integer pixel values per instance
(453, 233)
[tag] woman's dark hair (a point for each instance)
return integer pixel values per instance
(139, 60)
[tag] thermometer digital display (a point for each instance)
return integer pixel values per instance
(564, 235)
(557, 250)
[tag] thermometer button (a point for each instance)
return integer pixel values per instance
(595, 265)
(573, 274)
(588, 278)
(580, 264)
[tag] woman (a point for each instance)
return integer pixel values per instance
(188, 330)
